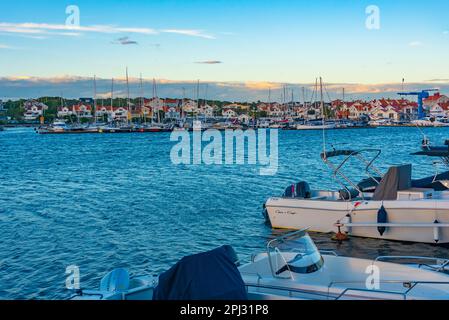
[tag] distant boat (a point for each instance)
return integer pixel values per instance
(317, 126)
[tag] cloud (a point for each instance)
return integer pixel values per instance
(29, 28)
(209, 62)
(125, 41)
(416, 44)
(446, 32)
(192, 33)
(76, 86)
(5, 46)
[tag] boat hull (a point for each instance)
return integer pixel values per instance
(322, 217)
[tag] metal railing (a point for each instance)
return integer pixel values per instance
(410, 285)
(440, 263)
(336, 170)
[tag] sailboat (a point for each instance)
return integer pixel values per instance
(316, 125)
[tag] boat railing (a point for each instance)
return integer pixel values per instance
(409, 285)
(289, 291)
(439, 264)
(328, 252)
(336, 170)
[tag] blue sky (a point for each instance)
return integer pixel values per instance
(255, 41)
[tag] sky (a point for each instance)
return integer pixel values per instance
(244, 47)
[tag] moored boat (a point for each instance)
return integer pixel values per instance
(389, 206)
(301, 272)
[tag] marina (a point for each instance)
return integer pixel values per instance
(224, 159)
(77, 202)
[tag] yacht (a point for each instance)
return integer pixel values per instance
(315, 126)
(280, 273)
(388, 206)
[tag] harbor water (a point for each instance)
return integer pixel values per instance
(101, 201)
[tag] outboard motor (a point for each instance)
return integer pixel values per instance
(298, 190)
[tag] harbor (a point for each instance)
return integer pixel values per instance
(78, 202)
(224, 159)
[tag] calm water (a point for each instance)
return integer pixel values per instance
(106, 201)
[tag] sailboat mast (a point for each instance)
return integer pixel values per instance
(112, 96)
(128, 99)
(142, 100)
(154, 101)
(197, 97)
(323, 116)
(95, 98)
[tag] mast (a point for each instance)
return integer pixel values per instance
(154, 101)
(128, 99)
(323, 120)
(112, 98)
(205, 99)
(197, 97)
(142, 100)
(183, 101)
(95, 98)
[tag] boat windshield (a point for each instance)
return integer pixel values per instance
(294, 253)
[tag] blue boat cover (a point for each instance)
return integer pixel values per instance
(211, 275)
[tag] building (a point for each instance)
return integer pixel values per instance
(388, 112)
(437, 98)
(64, 111)
(82, 110)
(33, 110)
(206, 111)
(244, 118)
(229, 113)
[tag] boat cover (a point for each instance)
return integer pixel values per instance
(397, 178)
(211, 275)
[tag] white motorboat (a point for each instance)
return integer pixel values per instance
(301, 273)
(316, 126)
(390, 206)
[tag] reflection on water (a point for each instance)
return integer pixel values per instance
(106, 201)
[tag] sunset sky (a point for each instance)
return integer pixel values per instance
(240, 44)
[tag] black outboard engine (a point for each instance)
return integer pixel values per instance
(298, 190)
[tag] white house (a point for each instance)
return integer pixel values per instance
(207, 111)
(189, 107)
(437, 111)
(244, 118)
(33, 109)
(388, 112)
(64, 111)
(229, 113)
(82, 110)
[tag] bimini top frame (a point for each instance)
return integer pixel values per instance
(348, 154)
